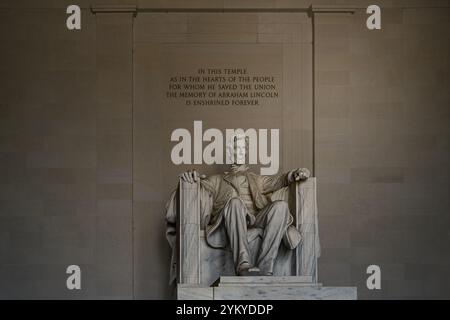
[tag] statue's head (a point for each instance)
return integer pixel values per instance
(237, 148)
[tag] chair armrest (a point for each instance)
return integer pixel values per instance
(307, 223)
(188, 232)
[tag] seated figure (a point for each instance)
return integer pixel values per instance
(241, 201)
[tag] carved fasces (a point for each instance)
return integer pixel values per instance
(307, 223)
(189, 232)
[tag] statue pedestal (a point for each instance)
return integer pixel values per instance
(265, 288)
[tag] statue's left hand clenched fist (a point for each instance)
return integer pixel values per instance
(298, 175)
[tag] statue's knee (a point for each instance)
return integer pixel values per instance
(235, 206)
(235, 202)
(280, 209)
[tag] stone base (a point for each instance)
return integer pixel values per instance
(265, 288)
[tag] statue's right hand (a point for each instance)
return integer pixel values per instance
(191, 176)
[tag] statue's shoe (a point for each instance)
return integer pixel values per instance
(246, 270)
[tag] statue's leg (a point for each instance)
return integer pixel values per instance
(273, 219)
(234, 214)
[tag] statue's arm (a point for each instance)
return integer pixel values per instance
(210, 184)
(276, 182)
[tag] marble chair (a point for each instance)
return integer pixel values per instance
(199, 264)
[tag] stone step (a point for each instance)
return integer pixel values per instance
(273, 292)
(284, 293)
(263, 280)
(295, 284)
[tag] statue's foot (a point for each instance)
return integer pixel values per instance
(246, 270)
(252, 272)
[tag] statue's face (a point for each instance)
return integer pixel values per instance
(239, 150)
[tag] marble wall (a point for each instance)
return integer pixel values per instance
(382, 151)
(72, 191)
